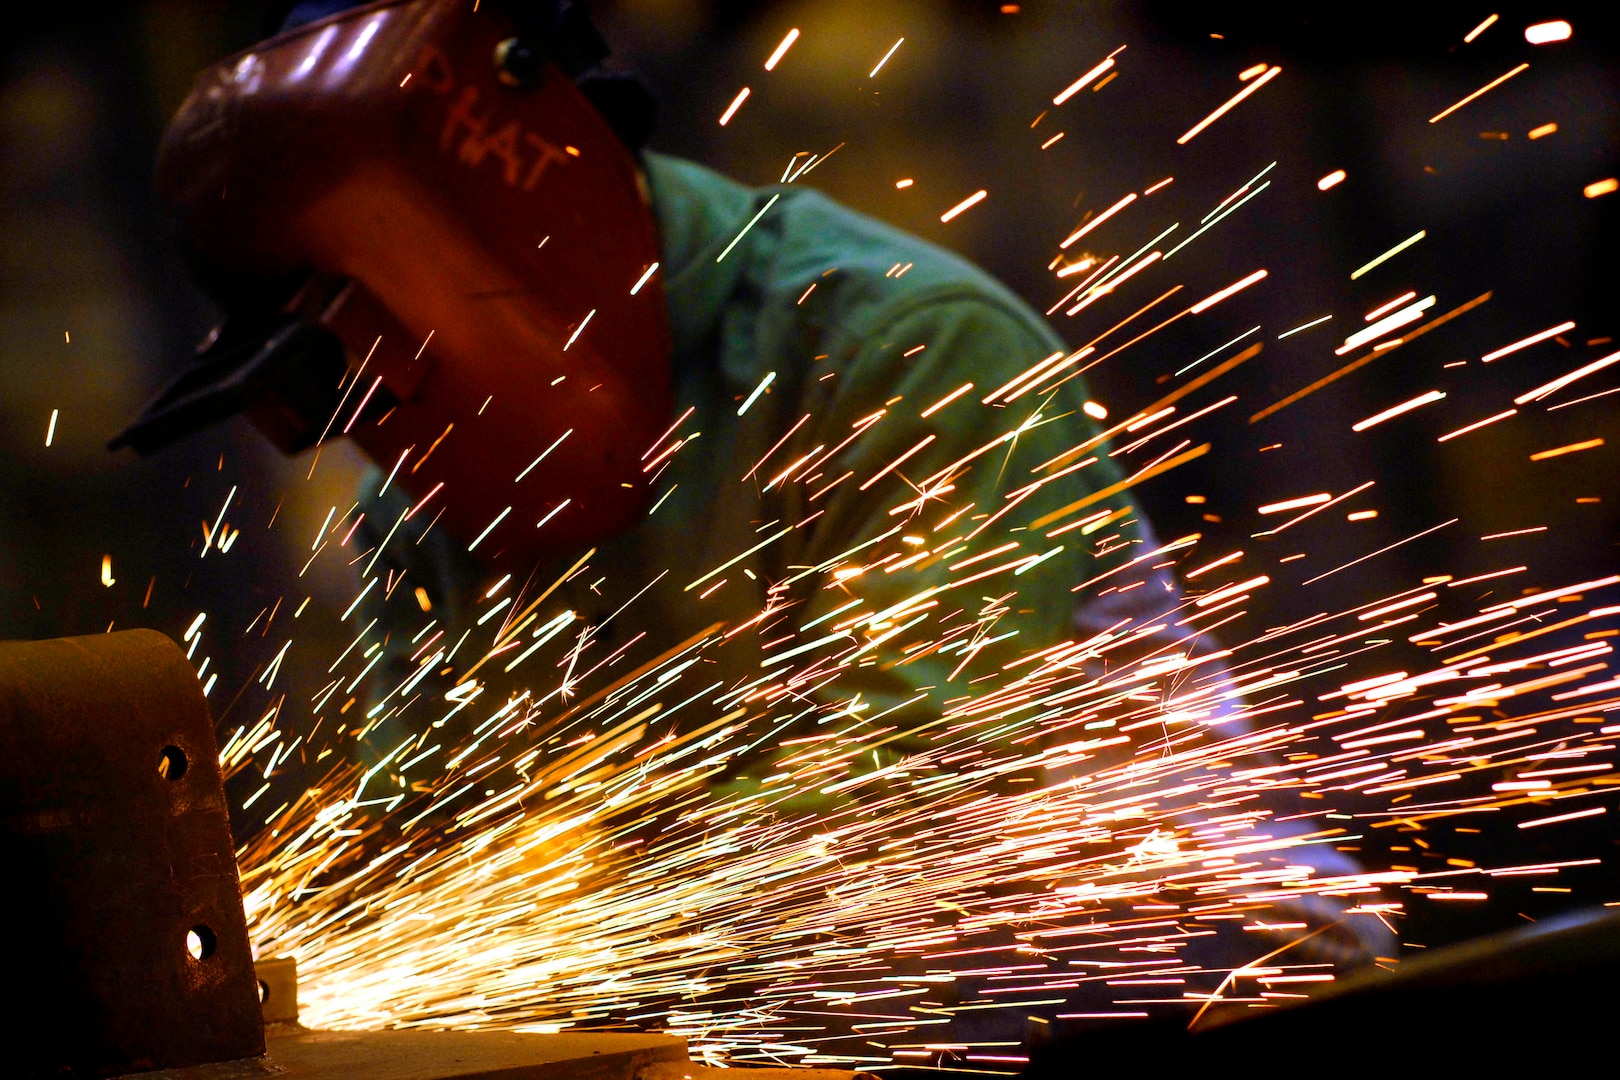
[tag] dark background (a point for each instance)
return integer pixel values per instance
(96, 311)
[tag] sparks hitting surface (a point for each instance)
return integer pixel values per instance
(1077, 823)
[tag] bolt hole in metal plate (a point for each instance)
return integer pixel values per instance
(171, 763)
(201, 942)
(278, 988)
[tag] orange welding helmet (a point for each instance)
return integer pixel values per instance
(428, 239)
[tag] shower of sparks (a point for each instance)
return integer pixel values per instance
(543, 835)
(593, 882)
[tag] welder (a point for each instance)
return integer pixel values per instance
(435, 230)
(455, 206)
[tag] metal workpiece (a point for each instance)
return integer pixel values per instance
(278, 988)
(1472, 1008)
(669, 1070)
(297, 1054)
(126, 945)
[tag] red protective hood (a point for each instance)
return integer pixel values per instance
(472, 243)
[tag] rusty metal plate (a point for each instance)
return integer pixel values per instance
(125, 942)
(278, 988)
(462, 1055)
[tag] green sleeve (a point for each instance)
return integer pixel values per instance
(985, 623)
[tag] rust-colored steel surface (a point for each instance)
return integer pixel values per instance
(125, 945)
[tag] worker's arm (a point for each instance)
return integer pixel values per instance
(913, 695)
(959, 535)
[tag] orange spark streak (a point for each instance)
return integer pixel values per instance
(1032, 373)
(1493, 84)
(1222, 111)
(1114, 489)
(1083, 81)
(781, 50)
(972, 200)
(1548, 389)
(946, 400)
(1335, 376)
(1215, 298)
(777, 447)
(1103, 290)
(1394, 411)
(1448, 436)
(892, 49)
(736, 103)
(891, 466)
(1099, 219)
(1385, 309)
(1525, 343)
(1560, 451)
(1294, 504)
(1468, 38)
